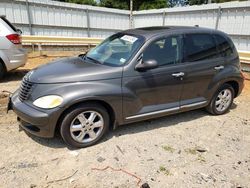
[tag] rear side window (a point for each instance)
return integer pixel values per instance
(9, 24)
(224, 47)
(198, 47)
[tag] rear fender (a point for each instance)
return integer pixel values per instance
(230, 73)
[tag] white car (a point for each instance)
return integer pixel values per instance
(12, 54)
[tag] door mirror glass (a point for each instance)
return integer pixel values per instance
(146, 65)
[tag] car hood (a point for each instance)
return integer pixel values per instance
(74, 69)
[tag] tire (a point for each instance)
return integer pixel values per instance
(222, 100)
(84, 125)
(2, 70)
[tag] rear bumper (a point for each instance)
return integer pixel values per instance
(36, 122)
(241, 84)
(16, 58)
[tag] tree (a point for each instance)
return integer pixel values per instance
(155, 4)
(137, 4)
(143, 4)
(197, 2)
(174, 3)
(85, 2)
(115, 4)
(223, 1)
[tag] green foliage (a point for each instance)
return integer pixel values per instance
(137, 4)
(200, 2)
(85, 2)
(165, 171)
(197, 2)
(168, 148)
(143, 4)
(115, 4)
(156, 4)
(201, 159)
(223, 1)
(191, 151)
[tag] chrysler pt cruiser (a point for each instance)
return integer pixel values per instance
(131, 76)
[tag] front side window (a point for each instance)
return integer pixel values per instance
(165, 51)
(224, 47)
(116, 50)
(198, 47)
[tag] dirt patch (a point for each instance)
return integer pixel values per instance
(192, 149)
(247, 76)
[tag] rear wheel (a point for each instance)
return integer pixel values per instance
(2, 70)
(84, 125)
(222, 100)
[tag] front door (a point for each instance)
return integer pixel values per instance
(156, 91)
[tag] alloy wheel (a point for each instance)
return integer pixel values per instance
(223, 100)
(86, 126)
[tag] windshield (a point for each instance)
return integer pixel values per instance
(116, 50)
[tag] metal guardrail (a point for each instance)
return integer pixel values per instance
(39, 40)
(57, 40)
(245, 60)
(244, 56)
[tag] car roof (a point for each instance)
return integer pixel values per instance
(149, 32)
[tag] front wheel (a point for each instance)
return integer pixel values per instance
(222, 100)
(84, 125)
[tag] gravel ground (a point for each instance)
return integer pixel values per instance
(192, 149)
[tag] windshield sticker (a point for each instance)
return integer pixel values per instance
(122, 60)
(129, 38)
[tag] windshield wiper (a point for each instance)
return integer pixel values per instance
(92, 59)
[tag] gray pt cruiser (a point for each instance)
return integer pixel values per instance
(131, 76)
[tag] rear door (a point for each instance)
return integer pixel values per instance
(202, 63)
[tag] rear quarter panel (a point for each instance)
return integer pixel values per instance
(231, 72)
(12, 55)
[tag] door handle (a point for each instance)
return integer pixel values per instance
(179, 74)
(219, 67)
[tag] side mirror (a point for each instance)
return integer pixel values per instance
(146, 65)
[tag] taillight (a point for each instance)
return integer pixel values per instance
(14, 38)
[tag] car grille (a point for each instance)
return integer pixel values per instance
(25, 90)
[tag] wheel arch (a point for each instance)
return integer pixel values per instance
(2, 62)
(235, 86)
(106, 105)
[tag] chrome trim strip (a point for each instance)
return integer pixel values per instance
(193, 104)
(153, 113)
(166, 110)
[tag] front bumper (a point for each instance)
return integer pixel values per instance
(34, 121)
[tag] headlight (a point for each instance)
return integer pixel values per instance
(50, 101)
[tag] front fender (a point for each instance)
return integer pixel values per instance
(108, 91)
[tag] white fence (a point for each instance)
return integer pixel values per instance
(44, 17)
(232, 18)
(50, 18)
